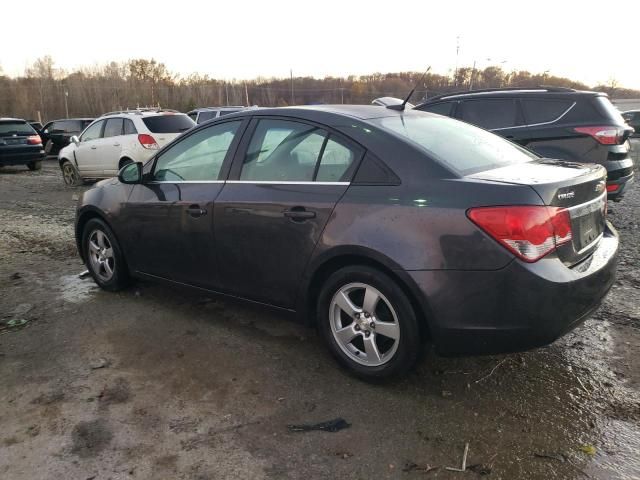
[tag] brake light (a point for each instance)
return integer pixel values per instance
(612, 187)
(606, 135)
(530, 232)
(147, 141)
(34, 140)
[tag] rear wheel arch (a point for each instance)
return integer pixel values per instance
(323, 271)
(125, 160)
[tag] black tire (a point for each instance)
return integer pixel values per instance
(34, 165)
(409, 346)
(70, 174)
(120, 276)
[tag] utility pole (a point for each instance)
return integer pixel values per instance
(226, 91)
(292, 97)
(455, 74)
(246, 93)
(473, 72)
(66, 104)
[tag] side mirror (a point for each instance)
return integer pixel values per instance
(131, 174)
(74, 139)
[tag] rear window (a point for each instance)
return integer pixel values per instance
(168, 123)
(16, 128)
(204, 116)
(606, 108)
(439, 108)
(541, 111)
(464, 148)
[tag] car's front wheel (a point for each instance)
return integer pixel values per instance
(70, 174)
(368, 323)
(103, 256)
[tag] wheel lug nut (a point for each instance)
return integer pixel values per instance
(357, 327)
(372, 325)
(367, 333)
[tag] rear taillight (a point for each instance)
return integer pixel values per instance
(612, 187)
(606, 135)
(147, 141)
(530, 232)
(34, 140)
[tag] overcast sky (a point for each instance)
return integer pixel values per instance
(249, 38)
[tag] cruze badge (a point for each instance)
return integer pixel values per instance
(599, 187)
(565, 196)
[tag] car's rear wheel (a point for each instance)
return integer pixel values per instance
(70, 174)
(34, 166)
(103, 256)
(368, 323)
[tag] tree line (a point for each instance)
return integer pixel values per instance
(47, 92)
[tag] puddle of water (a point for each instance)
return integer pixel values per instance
(77, 290)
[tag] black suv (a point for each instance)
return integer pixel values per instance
(57, 133)
(554, 122)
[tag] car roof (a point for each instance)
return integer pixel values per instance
(10, 119)
(75, 118)
(331, 114)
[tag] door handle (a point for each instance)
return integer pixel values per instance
(93, 147)
(116, 144)
(299, 214)
(195, 211)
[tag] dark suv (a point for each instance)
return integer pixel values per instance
(554, 122)
(57, 133)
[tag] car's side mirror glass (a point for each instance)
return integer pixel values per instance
(131, 174)
(74, 139)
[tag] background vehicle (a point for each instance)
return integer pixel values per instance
(632, 117)
(563, 123)
(57, 133)
(19, 144)
(200, 115)
(37, 126)
(385, 228)
(118, 138)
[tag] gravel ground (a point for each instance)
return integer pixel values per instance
(164, 384)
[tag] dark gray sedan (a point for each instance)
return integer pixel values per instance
(387, 230)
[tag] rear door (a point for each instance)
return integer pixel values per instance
(284, 184)
(169, 219)
(500, 115)
(86, 152)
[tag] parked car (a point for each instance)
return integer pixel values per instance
(118, 138)
(37, 126)
(57, 133)
(563, 123)
(632, 117)
(200, 115)
(386, 229)
(20, 144)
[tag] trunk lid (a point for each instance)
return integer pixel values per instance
(578, 187)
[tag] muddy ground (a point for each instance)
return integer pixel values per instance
(165, 384)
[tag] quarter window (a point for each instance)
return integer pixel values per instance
(199, 157)
(93, 132)
(113, 128)
(541, 111)
(498, 113)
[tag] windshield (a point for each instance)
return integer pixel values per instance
(168, 123)
(464, 148)
(16, 128)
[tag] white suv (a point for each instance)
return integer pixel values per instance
(118, 138)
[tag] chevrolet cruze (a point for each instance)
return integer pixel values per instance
(386, 229)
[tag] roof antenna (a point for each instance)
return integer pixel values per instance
(401, 106)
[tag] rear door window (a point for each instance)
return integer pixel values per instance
(490, 113)
(168, 123)
(129, 127)
(543, 111)
(337, 158)
(445, 108)
(113, 128)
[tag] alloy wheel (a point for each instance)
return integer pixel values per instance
(364, 324)
(69, 174)
(101, 257)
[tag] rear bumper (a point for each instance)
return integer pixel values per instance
(619, 176)
(21, 158)
(519, 307)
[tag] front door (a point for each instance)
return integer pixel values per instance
(87, 150)
(285, 183)
(169, 218)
